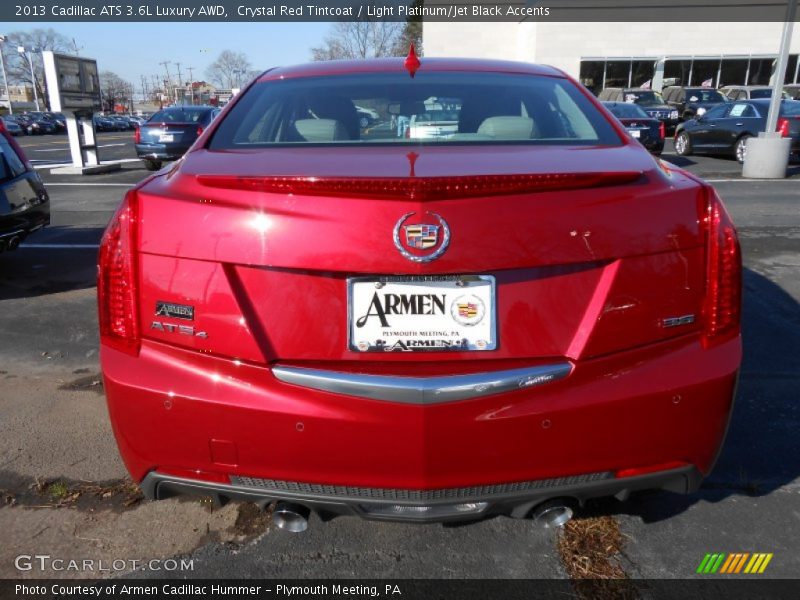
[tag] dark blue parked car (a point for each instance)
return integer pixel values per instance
(169, 133)
(725, 128)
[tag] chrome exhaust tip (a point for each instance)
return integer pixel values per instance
(291, 517)
(13, 243)
(552, 514)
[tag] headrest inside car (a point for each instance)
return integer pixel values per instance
(321, 130)
(507, 128)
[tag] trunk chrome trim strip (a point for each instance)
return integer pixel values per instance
(422, 390)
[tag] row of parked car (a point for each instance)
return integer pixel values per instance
(35, 123)
(704, 120)
(44, 122)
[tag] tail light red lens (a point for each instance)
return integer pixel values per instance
(116, 279)
(137, 135)
(783, 127)
(662, 130)
(723, 303)
(199, 130)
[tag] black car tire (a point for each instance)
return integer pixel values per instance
(152, 165)
(683, 144)
(740, 148)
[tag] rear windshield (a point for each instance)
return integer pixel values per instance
(790, 108)
(704, 96)
(647, 98)
(628, 111)
(180, 115)
(467, 108)
(761, 93)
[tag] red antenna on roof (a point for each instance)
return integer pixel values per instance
(412, 61)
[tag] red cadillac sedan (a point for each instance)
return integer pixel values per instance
(516, 312)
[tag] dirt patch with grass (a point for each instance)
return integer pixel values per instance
(590, 549)
(83, 495)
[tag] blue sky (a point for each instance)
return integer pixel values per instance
(135, 49)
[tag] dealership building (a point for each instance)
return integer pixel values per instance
(629, 54)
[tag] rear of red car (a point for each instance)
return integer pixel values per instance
(363, 323)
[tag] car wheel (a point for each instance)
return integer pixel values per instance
(152, 165)
(683, 144)
(363, 122)
(740, 149)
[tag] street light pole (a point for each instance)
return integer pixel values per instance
(767, 156)
(21, 50)
(5, 78)
(780, 68)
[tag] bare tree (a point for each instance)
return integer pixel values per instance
(361, 39)
(411, 33)
(115, 90)
(229, 70)
(17, 65)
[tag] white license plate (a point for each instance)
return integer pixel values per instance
(166, 137)
(635, 133)
(426, 313)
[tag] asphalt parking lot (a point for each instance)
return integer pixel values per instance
(55, 427)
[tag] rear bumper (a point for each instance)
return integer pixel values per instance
(452, 504)
(181, 417)
(160, 151)
(24, 223)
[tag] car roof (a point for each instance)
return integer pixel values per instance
(388, 65)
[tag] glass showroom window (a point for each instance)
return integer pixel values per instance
(677, 71)
(733, 72)
(642, 72)
(792, 70)
(760, 71)
(617, 73)
(705, 71)
(592, 74)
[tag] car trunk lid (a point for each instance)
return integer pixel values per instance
(589, 251)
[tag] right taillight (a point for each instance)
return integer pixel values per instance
(723, 302)
(116, 279)
(783, 127)
(137, 135)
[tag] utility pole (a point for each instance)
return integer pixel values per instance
(168, 80)
(5, 79)
(180, 84)
(145, 95)
(191, 85)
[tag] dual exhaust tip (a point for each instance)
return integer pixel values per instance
(551, 514)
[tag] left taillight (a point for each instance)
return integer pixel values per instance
(723, 302)
(117, 279)
(784, 128)
(137, 135)
(662, 130)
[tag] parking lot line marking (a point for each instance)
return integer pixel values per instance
(46, 149)
(748, 180)
(59, 246)
(87, 184)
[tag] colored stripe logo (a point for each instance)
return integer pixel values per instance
(734, 563)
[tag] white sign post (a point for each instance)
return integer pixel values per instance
(73, 85)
